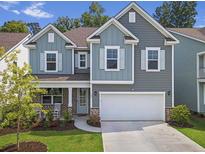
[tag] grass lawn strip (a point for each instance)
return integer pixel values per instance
(196, 133)
(60, 141)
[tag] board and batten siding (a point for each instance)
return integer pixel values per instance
(58, 45)
(77, 70)
(185, 73)
(111, 36)
(144, 81)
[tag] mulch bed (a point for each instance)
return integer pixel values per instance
(96, 124)
(173, 123)
(55, 125)
(26, 147)
(4, 131)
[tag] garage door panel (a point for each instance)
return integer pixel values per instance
(132, 107)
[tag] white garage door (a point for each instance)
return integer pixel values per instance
(132, 106)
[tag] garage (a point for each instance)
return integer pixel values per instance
(132, 105)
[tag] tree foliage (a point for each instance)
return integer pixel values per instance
(17, 93)
(65, 23)
(14, 26)
(2, 51)
(34, 27)
(95, 16)
(176, 14)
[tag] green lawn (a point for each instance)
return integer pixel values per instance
(56, 141)
(196, 133)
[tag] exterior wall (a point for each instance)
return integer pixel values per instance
(22, 57)
(186, 71)
(202, 95)
(58, 45)
(77, 70)
(111, 36)
(144, 81)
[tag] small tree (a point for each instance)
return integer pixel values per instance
(2, 51)
(18, 92)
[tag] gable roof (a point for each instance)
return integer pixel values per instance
(197, 34)
(45, 30)
(146, 16)
(9, 40)
(79, 35)
(112, 21)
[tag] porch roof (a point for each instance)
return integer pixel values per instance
(63, 77)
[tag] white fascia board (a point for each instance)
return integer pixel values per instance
(107, 24)
(46, 29)
(147, 17)
(15, 46)
(133, 92)
(193, 38)
(111, 82)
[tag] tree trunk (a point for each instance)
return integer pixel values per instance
(17, 133)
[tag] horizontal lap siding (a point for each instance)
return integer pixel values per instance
(144, 81)
(186, 73)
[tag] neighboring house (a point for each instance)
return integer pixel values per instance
(11, 42)
(190, 67)
(123, 70)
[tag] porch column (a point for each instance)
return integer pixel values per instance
(70, 97)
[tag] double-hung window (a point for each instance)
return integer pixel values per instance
(153, 59)
(82, 60)
(54, 95)
(112, 58)
(51, 61)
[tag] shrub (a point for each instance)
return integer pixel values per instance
(49, 117)
(180, 114)
(94, 119)
(67, 116)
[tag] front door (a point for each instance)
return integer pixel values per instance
(82, 101)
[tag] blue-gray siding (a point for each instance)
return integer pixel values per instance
(144, 81)
(58, 45)
(186, 72)
(112, 36)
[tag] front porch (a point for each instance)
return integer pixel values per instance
(61, 100)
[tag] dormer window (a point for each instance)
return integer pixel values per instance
(50, 37)
(132, 17)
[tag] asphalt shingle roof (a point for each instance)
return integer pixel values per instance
(9, 40)
(79, 35)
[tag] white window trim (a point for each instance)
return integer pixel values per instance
(52, 99)
(86, 59)
(47, 52)
(130, 14)
(153, 48)
(118, 58)
(50, 40)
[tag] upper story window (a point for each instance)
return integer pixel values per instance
(132, 17)
(54, 95)
(51, 61)
(112, 58)
(50, 37)
(82, 60)
(152, 59)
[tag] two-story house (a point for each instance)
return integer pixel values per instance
(123, 70)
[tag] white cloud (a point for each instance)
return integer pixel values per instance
(8, 5)
(15, 11)
(35, 10)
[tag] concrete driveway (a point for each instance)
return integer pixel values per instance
(145, 136)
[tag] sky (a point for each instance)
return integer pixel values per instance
(49, 11)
